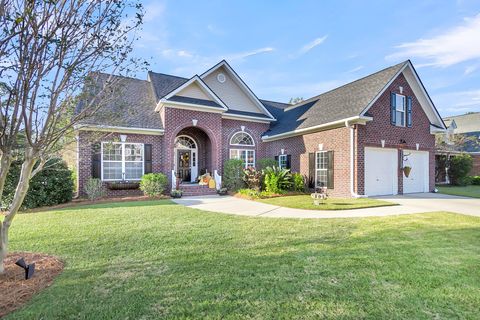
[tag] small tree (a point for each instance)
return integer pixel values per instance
(49, 51)
(459, 167)
(232, 174)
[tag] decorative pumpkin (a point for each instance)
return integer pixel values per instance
(211, 184)
(407, 170)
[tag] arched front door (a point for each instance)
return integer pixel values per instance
(186, 158)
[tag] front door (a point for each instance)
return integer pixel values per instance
(184, 170)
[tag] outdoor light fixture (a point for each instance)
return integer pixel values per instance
(383, 143)
(29, 269)
(320, 146)
(403, 143)
(418, 146)
(282, 151)
(123, 137)
(401, 89)
(194, 122)
(242, 127)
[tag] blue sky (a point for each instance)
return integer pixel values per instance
(285, 49)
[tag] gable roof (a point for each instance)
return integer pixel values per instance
(348, 102)
(132, 105)
(241, 83)
(465, 123)
(163, 83)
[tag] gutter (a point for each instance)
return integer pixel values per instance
(352, 161)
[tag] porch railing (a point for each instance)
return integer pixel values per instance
(174, 180)
(218, 179)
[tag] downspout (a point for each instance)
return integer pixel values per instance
(352, 160)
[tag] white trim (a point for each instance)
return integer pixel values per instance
(242, 145)
(280, 156)
(246, 118)
(316, 168)
(239, 82)
(188, 106)
(194, 154)
(420, 85)
(434, 130)
(95, 127)
(202, 84)
(325, 126)
(123, 161)
(246, 155)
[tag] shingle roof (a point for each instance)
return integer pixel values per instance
(469, 122)
(343, 102)
(163, 84)
(131, 105)
(247, 113)
(201, 102)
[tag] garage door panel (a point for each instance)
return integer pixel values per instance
(418, 179)
(381, 171)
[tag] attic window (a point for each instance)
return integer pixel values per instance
(221, 77)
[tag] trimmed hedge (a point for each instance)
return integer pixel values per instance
(53, 185)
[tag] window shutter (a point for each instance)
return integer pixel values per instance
(96, 161)
(147, 161)
(393, 111)
(289, 161)
(409, 112)
(276, 160)
(330, 179)
(311, 169)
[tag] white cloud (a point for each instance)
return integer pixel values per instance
(470, 69)
(457, 102)
(355, 69)
(309, 46)
(243, 55)
(215, 30)
(153, 11)
(455, 45)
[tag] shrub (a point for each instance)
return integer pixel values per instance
(94, 189)
(52, 185)
(153, 184)
(476, 180)
(459, 167)
(262, 164)
(252, 178)
(298, 182)
(249, 193)
(232, 174)
(277, 180)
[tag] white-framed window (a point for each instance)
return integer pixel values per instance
(242, 139)
(400, 108)
(321, 169)
(282, 161)
(122, 161)
(247, 156)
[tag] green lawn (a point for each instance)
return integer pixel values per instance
(157, 260)
(306, 202)
(467, 191)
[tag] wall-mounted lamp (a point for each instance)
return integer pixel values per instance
(242, 127)
(418, 146)
(401, 89)
(282, 151)
(383, 143)
(123, 137)
(403, 144)
(194, 122)
(320, 146)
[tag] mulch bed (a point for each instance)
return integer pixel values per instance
(15, 291)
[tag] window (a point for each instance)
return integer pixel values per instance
(321, 169)
(122, 161)
(247, 156)
(400, 110)
(242, 139)
(282, 161)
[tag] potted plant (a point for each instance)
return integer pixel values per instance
(407, 170)
(176, 193)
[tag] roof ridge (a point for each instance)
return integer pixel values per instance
(462, 115)
(119, 76)
(167, 74)
(343, 85)
(273, 101)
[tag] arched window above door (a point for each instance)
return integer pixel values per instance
(184, 142)
(242, 139)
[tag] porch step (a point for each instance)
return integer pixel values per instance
(196, 190)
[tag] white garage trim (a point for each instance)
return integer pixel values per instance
(381, 171)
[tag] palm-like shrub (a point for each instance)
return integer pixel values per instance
(298, 182)
(277, 179)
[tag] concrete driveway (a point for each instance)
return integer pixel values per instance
(408, 204)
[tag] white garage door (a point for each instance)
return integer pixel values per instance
(381, 175)
(417, 181)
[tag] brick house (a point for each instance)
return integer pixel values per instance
(354, 139)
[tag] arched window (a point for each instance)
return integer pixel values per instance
(242, 139)
(184, 142)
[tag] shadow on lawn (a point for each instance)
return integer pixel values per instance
(123, 204)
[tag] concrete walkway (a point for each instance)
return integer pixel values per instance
(408, 204)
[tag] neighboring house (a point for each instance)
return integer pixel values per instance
(462, 136)
(354, 139)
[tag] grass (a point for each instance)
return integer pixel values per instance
(306, 202)
(466, 191)
(152, 260)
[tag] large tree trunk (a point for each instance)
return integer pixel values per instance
(20, 193)
(5, 162)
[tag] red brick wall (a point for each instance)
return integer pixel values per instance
(380, 128)
(86, 139)
(299, 147)
(476, 165)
